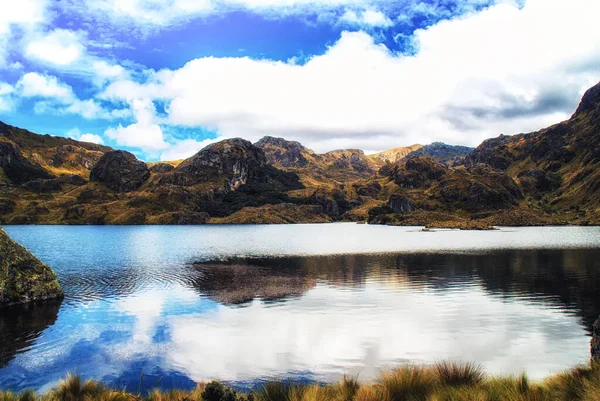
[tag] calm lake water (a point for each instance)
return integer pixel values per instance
(310, 302)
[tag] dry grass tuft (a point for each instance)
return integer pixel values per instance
(459, 374)
(441, 382)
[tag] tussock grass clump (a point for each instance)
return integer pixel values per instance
(275, 391)
(347, 389)
(440, 382)
(73, 389)
(410, 383)
(372, 393)
(459, 374)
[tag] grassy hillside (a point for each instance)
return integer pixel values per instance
(547, 177)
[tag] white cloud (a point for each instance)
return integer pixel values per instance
(105, 70)
(66, 51)
(6, 101)
(60, 47)
(145, 133)
(367, 17)
(59, 98)
(93, 138)
(23, 15)
(184, 148)
(145, 12)
(471, 78)
(76, 134)
(34, 84)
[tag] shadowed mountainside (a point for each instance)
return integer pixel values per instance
(551, 176)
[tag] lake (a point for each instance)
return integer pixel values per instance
(246, 304)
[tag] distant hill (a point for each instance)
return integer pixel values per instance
(394, 155)
(448, 154)
(551, 176)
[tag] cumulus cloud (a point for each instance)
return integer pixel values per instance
(75, 133)
(15, 16)
(66, 51)
(34, 84)
(56, 97)
(145, 133)
(360, 94)
(185, 148)
(60, 47)
(367, 17)
(6, 101)
(150, 15)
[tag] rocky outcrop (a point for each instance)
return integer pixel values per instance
(120, 171)
(395, 155)
(415, 172)
(24, 278)
(349, 159)
(399, 204)
(283, 153)
(536, 181)
(329, 204)
(478, 189)
(231, 162)
(54, 184)
(590, 102)
(161, 168)
(444, 153)
(16, 167)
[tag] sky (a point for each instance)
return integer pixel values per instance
(164, 78)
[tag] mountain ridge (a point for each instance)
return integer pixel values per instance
(550, 176)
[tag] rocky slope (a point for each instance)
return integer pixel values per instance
(448, 154)
(394, 155)
(23, 278)
(547, 177)
(324, 170)
(551, 176)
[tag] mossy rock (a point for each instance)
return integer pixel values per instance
(23, 277)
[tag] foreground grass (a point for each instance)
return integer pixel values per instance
(441, 382)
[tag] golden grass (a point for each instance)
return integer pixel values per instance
(440, 382)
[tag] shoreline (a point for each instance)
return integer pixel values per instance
(441, 381)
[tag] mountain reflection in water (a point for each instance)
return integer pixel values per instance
(187, 304)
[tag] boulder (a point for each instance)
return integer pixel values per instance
(23, 277)
(121, 171)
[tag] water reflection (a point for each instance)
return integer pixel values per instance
(240, 282)
(21, 325)
(561, 278)
(248, 318)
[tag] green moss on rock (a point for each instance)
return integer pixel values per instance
(23, 277)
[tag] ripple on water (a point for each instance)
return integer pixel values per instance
(511, 300)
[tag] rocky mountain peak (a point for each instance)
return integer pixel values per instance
(235, 160)
(283, 153)
(279, 142)
(120, 171)
(590, 102)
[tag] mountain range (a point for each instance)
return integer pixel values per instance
(551, 176)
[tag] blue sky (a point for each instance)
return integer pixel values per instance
(163, 78)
